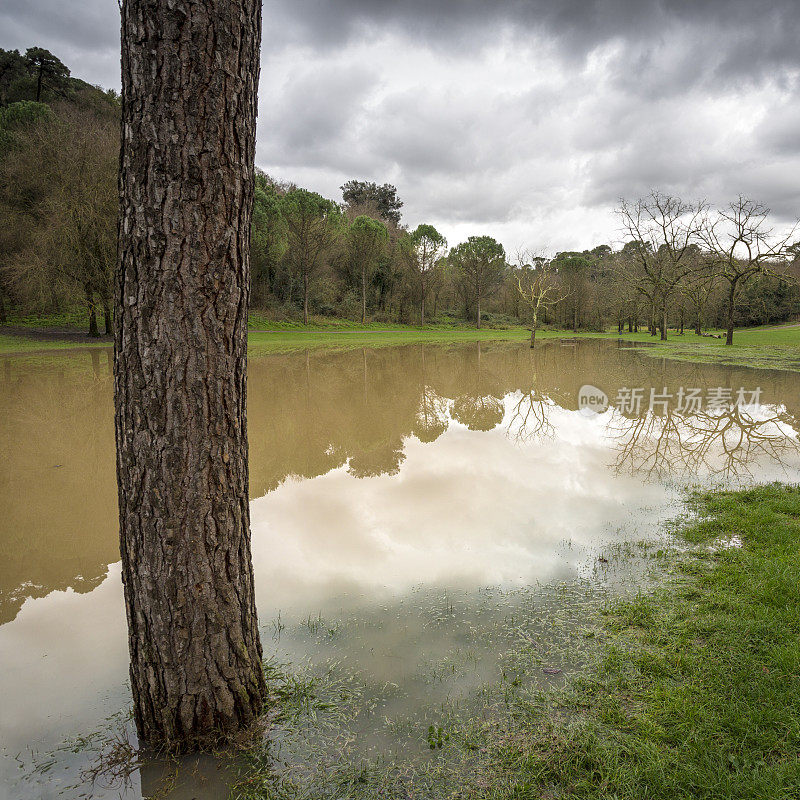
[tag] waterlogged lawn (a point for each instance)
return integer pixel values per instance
(10, 344)
(690, 690)
(697, 694)
(765, 348)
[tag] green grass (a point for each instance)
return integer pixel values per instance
(692, 690)
(765, 347)
(259, 320)
(77, 318)
(697, 693)
(22, 344)
(260, 342)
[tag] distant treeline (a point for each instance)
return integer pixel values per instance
(683, 265)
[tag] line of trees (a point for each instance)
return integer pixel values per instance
(682, 265)
(59, 157)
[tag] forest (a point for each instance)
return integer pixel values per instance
(678, 264)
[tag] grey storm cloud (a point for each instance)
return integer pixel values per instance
(527, 118)
(738, 35)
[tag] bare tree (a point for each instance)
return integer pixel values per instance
(699, 288)
(661, 229)
(742, 244)
(189, 83)
(539, 286)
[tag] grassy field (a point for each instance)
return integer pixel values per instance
(12, 344)
(691, 690)
(697, 693)
(772, 348)
(775, 347)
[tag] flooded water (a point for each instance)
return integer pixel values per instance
(410, 507)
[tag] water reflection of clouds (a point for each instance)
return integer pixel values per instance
(60, 657)
(739, 443)
(472, 509)
(419, 469)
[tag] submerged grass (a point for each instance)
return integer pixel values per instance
(11, 344)
(697, 695)
(690, 690)
(764, 348)
(683, 682)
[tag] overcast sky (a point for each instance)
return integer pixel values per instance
(523, 119)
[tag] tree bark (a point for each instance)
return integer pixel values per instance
(305, 298)
(92, 308)
(189, 82)
(107, 317)
(478, 315)
(363, 295)
(731, 309)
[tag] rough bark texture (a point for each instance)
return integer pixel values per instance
(189, 82)
(731, 311)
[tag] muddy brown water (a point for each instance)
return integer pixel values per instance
(405, 501)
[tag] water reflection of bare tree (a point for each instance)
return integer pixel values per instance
(530, 418)
(723, 443)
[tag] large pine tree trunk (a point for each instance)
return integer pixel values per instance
(189, 82)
